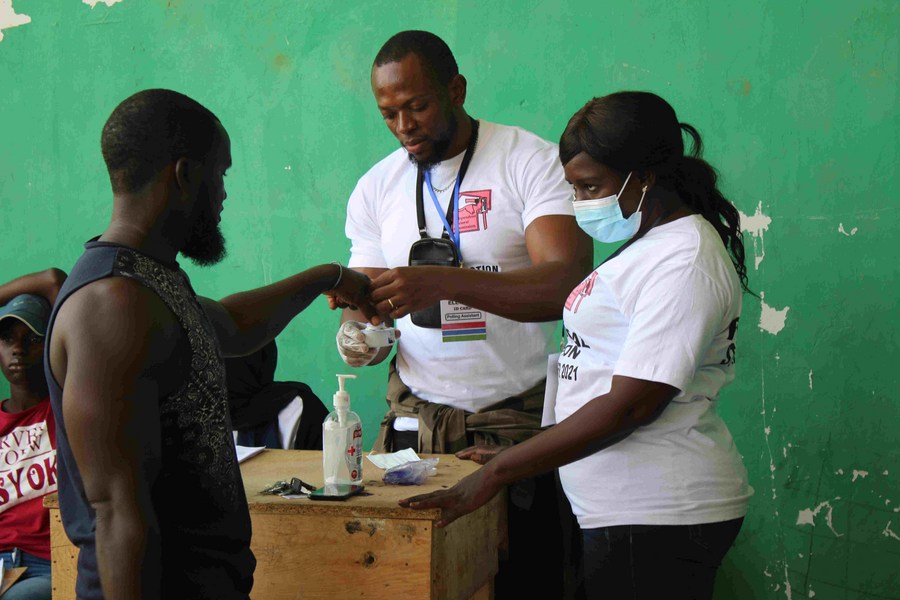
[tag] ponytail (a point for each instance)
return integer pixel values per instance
(695, 182)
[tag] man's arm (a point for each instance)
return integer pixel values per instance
(247, 321)
(111, 343)
(561, 255)
(43, 283)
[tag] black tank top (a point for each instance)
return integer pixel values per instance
(203, 534)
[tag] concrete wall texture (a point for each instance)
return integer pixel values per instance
(797, 104)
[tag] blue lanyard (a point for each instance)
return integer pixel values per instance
(452, 231)
(424, 178)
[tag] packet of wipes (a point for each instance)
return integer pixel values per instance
(411, 473)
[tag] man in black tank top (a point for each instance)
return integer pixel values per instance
(149, 484)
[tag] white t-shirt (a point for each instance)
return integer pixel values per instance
(514, 178)
(666, 310)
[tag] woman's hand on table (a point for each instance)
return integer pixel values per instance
(472, 492)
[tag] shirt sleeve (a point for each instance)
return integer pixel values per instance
(675, 317)
(363, 229)
(544, 188)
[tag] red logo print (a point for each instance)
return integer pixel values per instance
(581, 291)
(473, 210)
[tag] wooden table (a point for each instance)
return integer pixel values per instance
(368, 545)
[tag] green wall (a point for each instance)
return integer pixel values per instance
(797, 105)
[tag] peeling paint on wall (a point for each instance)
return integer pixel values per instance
(772, 319)
(810, 378)
(93, 3)
(888, 532)
(808, 516)
(755, 226)
(9, 18)
(857, 474)
(844, 231)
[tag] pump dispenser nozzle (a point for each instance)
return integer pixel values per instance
(341, 398)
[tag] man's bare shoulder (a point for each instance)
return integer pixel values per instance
(116, 303)
(111, 320)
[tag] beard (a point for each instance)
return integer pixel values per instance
(439, 148)
(205, 244)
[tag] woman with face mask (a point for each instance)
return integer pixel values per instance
(649, 467)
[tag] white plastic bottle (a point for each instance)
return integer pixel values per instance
(342, 440)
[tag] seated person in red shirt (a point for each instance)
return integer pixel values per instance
(27, 433)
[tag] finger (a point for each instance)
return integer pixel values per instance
(467, 453)
(392, 308)
(382, 280)
(368, 310)
(448, 516)
(437, 499)
(381, 294)
(481, 457)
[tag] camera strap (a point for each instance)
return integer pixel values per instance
(424, 177)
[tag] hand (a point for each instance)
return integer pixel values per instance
(351, 344)
(352, 291)
(471, 493)
(403, 290)
(480, 454)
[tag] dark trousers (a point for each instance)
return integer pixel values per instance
(643, 562)
(534, 562)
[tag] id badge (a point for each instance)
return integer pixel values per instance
(548, 417)
(461, 323)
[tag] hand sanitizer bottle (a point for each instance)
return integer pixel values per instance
(342, 440)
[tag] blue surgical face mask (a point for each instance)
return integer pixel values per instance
(602, 219)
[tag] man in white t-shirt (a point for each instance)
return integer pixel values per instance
(477, 375)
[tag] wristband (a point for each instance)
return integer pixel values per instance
(340, 275)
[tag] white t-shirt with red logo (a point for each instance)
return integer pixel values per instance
(514, 178)
(666, 310)
(27, 474)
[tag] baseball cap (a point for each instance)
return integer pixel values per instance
(32, 310)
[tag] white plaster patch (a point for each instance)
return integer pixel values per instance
(888, 532)
(287, 168)
(771, 319)
(808, 516)
(810, 379)
(839, 472)
(844, 231)
(812, 594)
(755, 225)
(885, 472)
(93, 3)
(784, 450)
(9, 18)
(858, 474)
(787, 583)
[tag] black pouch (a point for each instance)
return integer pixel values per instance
(439, 252)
